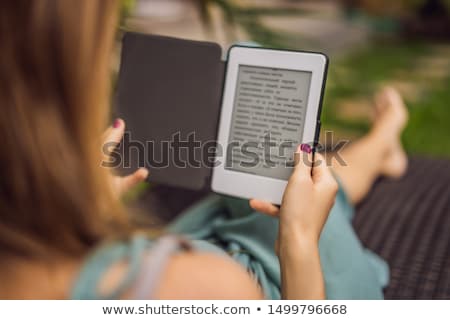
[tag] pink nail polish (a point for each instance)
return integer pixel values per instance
(116, 124)
(306, 148)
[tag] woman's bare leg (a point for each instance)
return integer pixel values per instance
(380, 152)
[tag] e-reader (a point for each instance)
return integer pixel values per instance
(271, 103)
(199, 122)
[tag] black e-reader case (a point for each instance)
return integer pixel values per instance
(170, 90)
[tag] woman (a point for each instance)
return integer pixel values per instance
(58, 206)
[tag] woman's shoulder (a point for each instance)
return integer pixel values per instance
(206, 275)
(166, 268)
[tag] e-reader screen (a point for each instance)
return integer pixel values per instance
(268, 119)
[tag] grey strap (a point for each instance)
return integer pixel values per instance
(153, 265)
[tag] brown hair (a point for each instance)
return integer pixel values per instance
(54, 92)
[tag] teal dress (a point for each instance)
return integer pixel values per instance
(229, 226)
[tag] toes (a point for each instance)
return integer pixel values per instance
(390, 106)
(385, 98)
(380, 102)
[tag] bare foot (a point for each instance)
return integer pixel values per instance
(391, 112)
(391, 119)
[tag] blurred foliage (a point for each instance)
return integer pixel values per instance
(249, 19)
(126, 7)
(397, 7)
(362, 73)
(359, 73)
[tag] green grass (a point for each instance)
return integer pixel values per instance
(361, 73)
(428, 130)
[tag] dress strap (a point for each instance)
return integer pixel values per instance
(154, 264)
(146, 261)
(101, 260)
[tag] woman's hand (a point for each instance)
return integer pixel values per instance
(122, 184)
(307, 199)
(306, 203)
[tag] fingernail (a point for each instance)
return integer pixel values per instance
(116, 123)
(305, 148)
